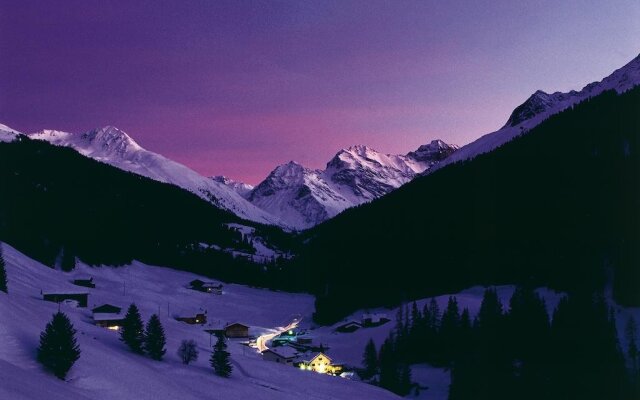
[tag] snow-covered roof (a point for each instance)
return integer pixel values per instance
(64, 292)
(283, 351)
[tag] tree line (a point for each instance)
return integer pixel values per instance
(517, 352)
(58, 350)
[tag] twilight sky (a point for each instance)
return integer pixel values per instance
(237, 87)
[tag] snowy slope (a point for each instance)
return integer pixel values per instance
(243, 189)
(107, 370)
(302, 197)
(7, 134)
(114, 147)
(541, 106)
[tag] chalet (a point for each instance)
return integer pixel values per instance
(322, 364)
(282, 354)
(108, 320)
(371, 320)
(106, 309)
(348, 327)
(236, 330)
(58, 297)
(84, 281)
(199, 318)
(206, 287)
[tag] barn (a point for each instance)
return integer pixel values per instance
(236, 330)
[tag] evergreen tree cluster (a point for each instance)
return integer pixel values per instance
(141, 339)
(518, 352)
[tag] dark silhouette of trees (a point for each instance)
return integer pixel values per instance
(154, 339)
(3, 273)
(370, 360)
(132, 332)
(58, 349)
(188, 351)
(220, 358)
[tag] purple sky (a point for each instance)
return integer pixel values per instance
(237, 87)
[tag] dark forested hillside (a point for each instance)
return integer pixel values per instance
(56, 204)
(557, 207)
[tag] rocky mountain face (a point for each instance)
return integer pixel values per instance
(540, 106)
(302, 197)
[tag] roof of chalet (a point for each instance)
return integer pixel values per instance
(237, 323)
(106, 305)
(283, 351)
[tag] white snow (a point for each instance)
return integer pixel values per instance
(114, 147)
(108, 370)
(302, 197)
(7, 134)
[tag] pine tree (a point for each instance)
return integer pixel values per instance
(585, 355)
(389, 377)
(220, 358)
(154, 339)
(68, 260)
(631, 331)
(449, 332)
(58, 349)
(527, 335)
(491, 362)
(370, 360)
(188, 351)
(132, 332)
(3, 273)
(404, 380)
(434, 311)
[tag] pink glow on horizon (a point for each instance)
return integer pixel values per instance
(236, 87)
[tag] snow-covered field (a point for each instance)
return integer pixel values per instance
(108, 370)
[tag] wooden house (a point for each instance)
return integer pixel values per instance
(206, 287)
(283, 354)
(106, 309)
(236, 330)
(199, 318)
(84, 281)
(108, 320)
(57, 297)
(322, 364)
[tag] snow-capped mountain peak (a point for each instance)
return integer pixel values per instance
(104, 143)
(114, 147)
(432, 152)
(7, 134)
(304, 197)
